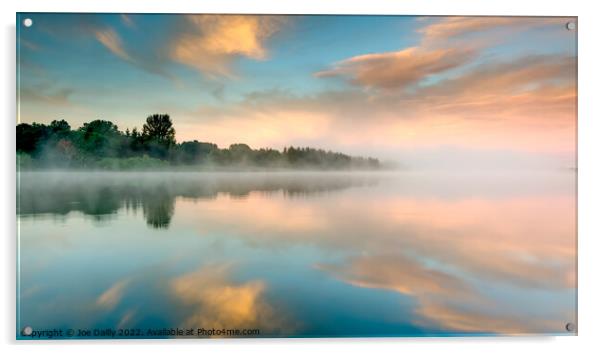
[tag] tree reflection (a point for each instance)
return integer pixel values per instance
(102, 194)
(158, 208)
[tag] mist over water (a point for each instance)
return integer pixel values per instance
(299, 253)
(101, 194)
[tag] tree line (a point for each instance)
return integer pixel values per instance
(100, 144)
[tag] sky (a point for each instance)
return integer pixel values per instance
(423, 92)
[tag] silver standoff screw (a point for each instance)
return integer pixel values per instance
(571, 26)
(27, 331)
(570, 327)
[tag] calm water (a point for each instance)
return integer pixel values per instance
(298, 254)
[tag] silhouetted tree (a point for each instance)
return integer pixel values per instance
(159, 135)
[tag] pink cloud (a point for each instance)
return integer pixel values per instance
(398, 69)
(458, 26)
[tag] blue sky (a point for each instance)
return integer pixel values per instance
(311, 80)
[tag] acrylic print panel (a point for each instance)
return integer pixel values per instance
(217, 176)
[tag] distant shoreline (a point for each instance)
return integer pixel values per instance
(200, 169)
(100, 145)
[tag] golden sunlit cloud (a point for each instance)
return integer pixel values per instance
(214, 39)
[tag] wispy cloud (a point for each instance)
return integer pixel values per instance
(111, 40)
(537, 88)
(127, 20)
(151, 63)
(46, 92)
(454, 27)
(435, 54)
(398, 69)
(207, 43)
(29, 45)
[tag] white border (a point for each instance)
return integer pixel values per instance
(590, 172)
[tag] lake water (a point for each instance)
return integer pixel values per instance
(297, 254)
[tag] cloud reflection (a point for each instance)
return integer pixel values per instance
(218, 302)
(526, 241)
(399, 273)
(470, 254)
(442, 252)
(112, 296)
